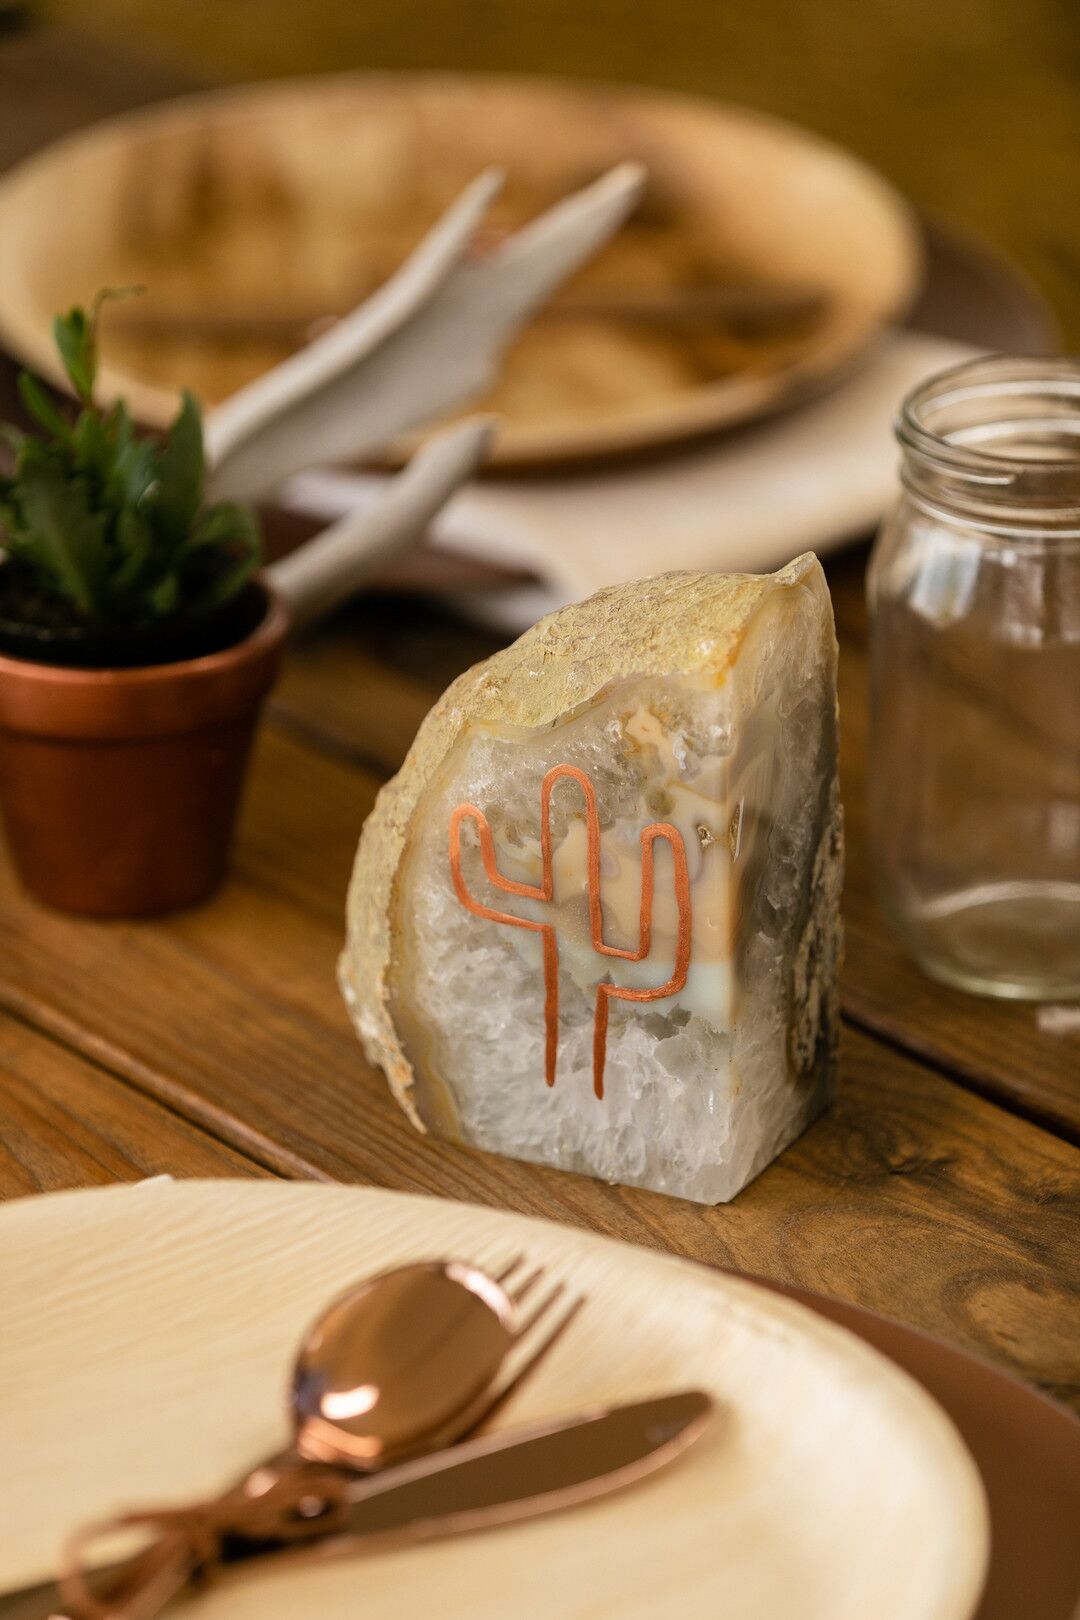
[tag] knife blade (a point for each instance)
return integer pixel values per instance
(495, 1480)
(523, 1473)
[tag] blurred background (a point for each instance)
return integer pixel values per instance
(972, 107)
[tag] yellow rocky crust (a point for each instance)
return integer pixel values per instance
(681, 623)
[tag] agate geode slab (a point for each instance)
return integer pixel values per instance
(594, 919)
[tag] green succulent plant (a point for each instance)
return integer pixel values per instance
(106, 527)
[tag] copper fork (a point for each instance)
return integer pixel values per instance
(532, 1337)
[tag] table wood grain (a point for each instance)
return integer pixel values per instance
(913, 1195)
(943, 1188)
(66, 1122)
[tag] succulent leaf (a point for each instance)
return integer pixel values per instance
(180, 471)
(112, 522)
(38, 405)
(73, 334)
(61, 532)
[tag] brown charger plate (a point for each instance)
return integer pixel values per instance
(248, 213)
(1027, 1449)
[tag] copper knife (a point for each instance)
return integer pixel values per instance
(495, 1480)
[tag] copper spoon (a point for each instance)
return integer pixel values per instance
(411, 1360)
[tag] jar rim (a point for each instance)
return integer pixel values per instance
(999, 431)
(972, 384)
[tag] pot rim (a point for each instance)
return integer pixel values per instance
(106, 707)
(269, 632)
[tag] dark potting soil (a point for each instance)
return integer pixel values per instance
(35, 627)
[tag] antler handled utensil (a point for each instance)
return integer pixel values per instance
(429, 338)
(432, 336)
(318, 576)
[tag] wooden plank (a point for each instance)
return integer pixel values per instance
(360, 687)
(65, 1122)
(911, 1196)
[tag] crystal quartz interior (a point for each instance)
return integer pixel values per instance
(702, 707)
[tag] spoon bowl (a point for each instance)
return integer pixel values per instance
(391, 1366)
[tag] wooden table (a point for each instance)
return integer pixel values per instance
(943, 1188)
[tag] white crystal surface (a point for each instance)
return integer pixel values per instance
(703, 1088)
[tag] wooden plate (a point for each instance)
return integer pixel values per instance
(149, 1332)
(248, 213)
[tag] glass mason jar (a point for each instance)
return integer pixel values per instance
(974, 591)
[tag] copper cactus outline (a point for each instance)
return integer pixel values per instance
(544, 891)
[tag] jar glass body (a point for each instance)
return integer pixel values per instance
(974, 592)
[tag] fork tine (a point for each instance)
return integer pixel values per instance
(524, 1288)
(503, 1277)
(552, 1335)
(527, 1350)
(539, 1310)
(522, 1362)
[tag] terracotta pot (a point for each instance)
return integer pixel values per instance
(119, 788)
